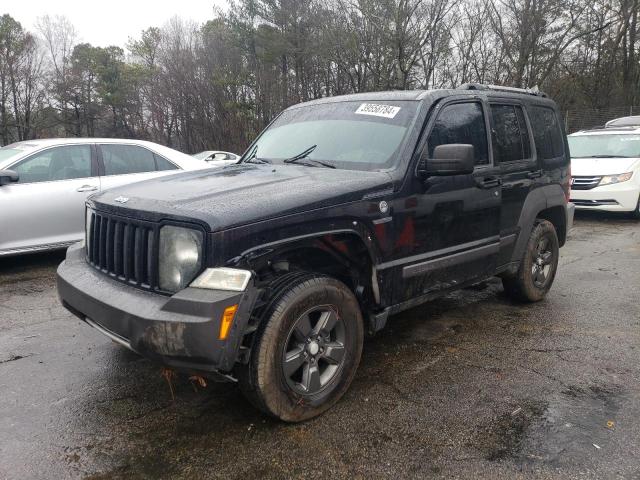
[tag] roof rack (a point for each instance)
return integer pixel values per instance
(500, 88)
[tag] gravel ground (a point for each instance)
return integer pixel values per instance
(469, 386)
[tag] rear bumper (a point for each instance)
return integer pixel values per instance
(180, 331)
(620, 197)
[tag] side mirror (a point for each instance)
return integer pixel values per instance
(8, 176)
(450, 159)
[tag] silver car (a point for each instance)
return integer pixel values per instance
(44, 184)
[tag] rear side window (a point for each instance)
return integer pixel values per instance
(124, 159)
(546, 132)
(164, 164)
(509, 134)
(461, 123)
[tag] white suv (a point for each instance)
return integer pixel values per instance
(605, 168)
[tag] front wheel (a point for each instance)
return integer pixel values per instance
(538, 265)
(636, 213)
(307, 350)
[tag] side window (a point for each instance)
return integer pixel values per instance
(123, 159)
(546, 132)
(164, 164)
(461, 123)
(57, 163)
(509, 134)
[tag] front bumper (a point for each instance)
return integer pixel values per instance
(619, 197)
(180, 331)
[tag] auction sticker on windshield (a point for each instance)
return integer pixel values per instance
(377, 110)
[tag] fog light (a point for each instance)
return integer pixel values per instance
(226, 321)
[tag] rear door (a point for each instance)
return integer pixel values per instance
(46, 206)
(514, 156)
(121, 164)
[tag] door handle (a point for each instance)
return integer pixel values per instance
(489, 182)
(535, 174)
(87, 188)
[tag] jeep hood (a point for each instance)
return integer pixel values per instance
(241, 194)
(602, 166)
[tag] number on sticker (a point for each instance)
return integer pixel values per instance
(377, 110)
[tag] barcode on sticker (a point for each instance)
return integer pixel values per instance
(387, 111)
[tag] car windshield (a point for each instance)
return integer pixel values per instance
(604, 146)
(201, 155)
(349, 135)
(7, 152)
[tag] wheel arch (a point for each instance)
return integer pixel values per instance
(342, 254)
(548, 203)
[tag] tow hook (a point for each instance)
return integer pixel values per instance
(169, 375)
(197, 381)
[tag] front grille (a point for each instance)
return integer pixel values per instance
(584, 183)
(124, 249)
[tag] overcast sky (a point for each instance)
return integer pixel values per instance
(110, 22)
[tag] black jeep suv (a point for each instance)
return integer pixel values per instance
(345, 210)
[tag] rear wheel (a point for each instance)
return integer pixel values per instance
(306, 351)
(538, 265)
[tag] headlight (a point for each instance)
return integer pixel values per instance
(180, 257)
(609, 179)
(223, 279)
(87, 227)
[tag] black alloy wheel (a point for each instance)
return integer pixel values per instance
(543, 262)
(538, 265)
(306, 349)
(314, 351)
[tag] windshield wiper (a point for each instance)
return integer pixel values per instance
(301, 155)
(608, 156)
(308, 161)
(253, 157)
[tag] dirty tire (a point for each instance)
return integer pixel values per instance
(263, 380)
(525, 285)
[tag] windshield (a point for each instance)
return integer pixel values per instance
(349, 135)
(6, 152)
(603, 146)
(201, 155)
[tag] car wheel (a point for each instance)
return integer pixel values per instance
(306, 351)
(538, 265)
(636, 213)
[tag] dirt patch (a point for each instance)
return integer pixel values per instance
(504, 437)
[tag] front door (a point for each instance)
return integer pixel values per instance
(46, 206)
(454, 220)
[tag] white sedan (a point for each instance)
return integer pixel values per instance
(44, 184)
(217, 158)
(605, 169)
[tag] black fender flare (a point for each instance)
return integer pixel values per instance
(538, 200)
(351, 228)
(361, 234)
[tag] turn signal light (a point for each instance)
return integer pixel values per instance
(226, 321)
